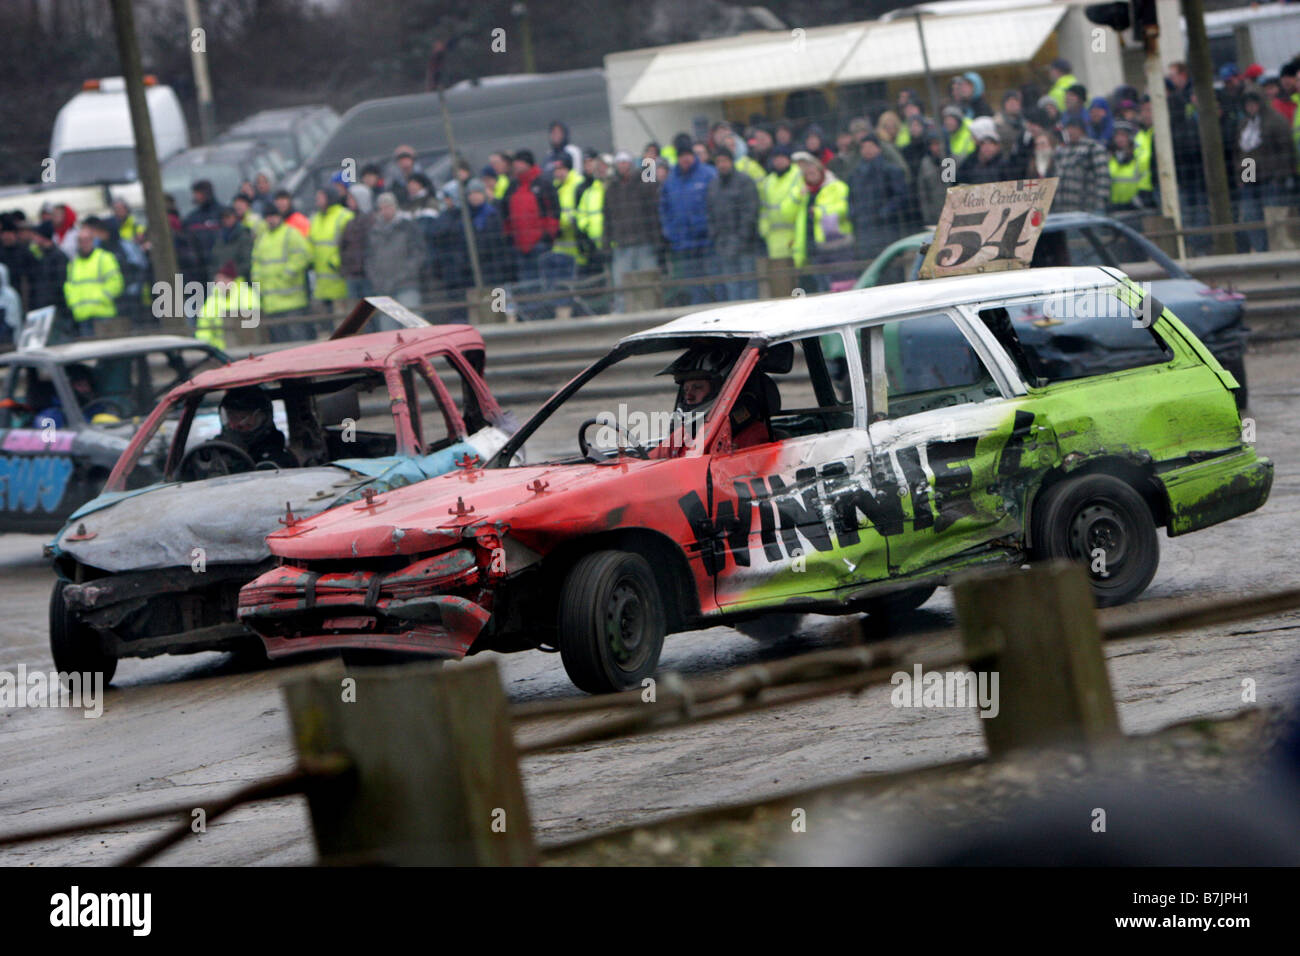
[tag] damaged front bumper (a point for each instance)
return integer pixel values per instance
(298, 610)
(164, 610)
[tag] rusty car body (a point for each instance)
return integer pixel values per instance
(155, 567)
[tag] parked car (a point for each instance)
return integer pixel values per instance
(820, 470)
(69, 411)
(225, 166)
(154, 564)
(93, 141)
(1087, 239)
(294, 132)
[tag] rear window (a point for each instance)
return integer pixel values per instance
(1076, 334)
(1097, 244)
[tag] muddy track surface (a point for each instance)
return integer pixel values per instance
(179, 730)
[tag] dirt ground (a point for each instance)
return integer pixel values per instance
(177, 730)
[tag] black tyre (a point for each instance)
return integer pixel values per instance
(1101, 522)
(1237, 367)
(770, 628)
(611, 622)
(75, 646)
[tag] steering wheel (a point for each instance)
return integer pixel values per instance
(213, 459)
(632, 448)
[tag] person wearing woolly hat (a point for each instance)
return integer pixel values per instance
(961, 141)
(1063, 78)
(1099, 124)
(1130, 174)
(683, 216)
(878, 199)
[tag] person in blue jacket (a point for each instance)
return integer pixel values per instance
(684, 218)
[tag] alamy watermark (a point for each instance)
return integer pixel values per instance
(658, 428)
(50, 689)
(946, 690)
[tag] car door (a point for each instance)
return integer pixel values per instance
(44, 476)
(943, 417)
(797, 516)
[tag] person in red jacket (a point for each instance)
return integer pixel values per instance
(532, 215)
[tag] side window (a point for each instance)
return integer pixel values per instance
(430, 420)
(30, 392)
(928, 364)
(805, 386)
(461, 392)
(1075, 334)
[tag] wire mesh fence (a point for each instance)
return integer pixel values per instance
(760, 166)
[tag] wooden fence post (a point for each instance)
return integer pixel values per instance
(436, 776)
(1037, 630)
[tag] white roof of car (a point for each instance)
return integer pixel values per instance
(781, 318)
(89, 349)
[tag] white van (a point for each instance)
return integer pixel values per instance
(93, 141)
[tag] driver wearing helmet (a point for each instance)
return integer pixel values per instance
(246, 422)
(699, 374)
(82, 380)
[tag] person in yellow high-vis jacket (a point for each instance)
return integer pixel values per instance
(324, 233)
(824, 207)
(229, 299)
(566, 183)
(128, 228)
(780, 196)
(590, 217)
(281, 256)
(243, 206)
(1130, 174)
(961, 141)
(1062, 79)
(559, 264)
(499, 164)
(93, 282)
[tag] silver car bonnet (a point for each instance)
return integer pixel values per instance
(228, 517)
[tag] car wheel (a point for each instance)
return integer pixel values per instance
(1237, 367)
(611, 622)
(76, 646)
(770, 628)
(1102, 523)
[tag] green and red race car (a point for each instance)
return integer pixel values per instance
(834, 454)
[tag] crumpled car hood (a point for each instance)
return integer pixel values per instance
(437, 512)
(228, 517)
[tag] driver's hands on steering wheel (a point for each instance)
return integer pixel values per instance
(212, 459)
(631, 448)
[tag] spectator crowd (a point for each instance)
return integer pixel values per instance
(812, 203)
